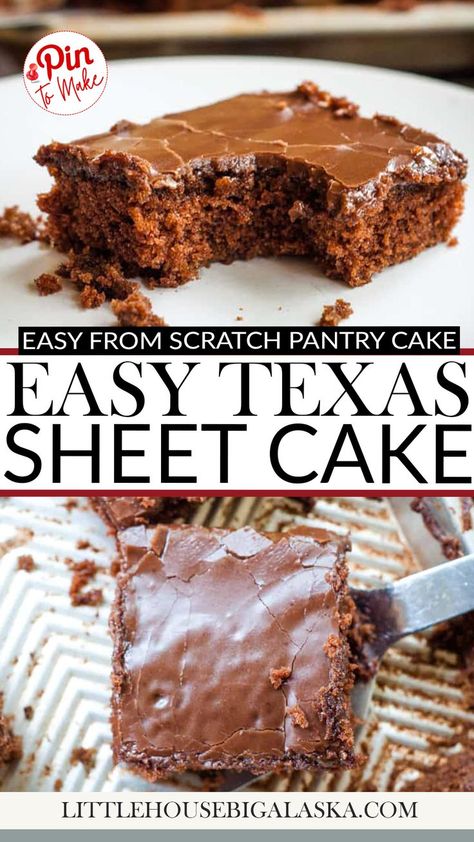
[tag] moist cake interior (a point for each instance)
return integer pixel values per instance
(298, 173)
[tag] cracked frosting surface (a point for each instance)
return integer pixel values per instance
(223, 642)
(305, 126)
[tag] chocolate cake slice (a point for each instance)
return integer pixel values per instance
(231, 651)
(296, 173)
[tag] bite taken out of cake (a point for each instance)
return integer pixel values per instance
(266, 174)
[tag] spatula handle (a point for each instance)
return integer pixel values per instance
(434, 595)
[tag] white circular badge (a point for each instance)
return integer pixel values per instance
(65, 73)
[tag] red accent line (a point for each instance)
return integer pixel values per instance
(248, 492)
(9, 351)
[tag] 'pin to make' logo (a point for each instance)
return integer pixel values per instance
(65, 73)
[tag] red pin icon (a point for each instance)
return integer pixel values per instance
(32, 74)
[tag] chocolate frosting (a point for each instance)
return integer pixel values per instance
(206, 624)
(306, 126)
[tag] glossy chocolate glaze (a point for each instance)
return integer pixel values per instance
(306, 126)
(203, 622)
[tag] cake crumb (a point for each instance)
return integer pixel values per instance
(84, 544)
(298, 716)
(278, 676)
(26, 562)
(136, 311)
(83, 572)
(339, 105)
(20, 225)
(91, 298)
(11, 747)
(29, 712)
(91, 271)
(58, 785)
(332, 645)
(86, 756)
(96, 277)
(453, 242)
(334, 314)
(48, 284)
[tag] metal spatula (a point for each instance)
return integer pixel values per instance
(411, 605)
(401, 608)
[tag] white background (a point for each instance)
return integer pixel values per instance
(207, 397)
(435, 810)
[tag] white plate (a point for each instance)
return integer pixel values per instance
(433, 289)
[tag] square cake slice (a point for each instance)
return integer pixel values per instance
(122, 512)
(231, 651)
(293, 173)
